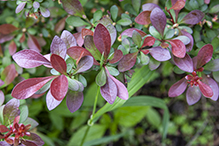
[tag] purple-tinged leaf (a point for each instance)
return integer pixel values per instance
(153, 64)
(4, 143)
(204, 55)
(58, 63)
(205, 89)
(112, 31)
(149, 6)
(213, 85)
(212, 65)
(5, 38)
(59, 87)
(178, 5)
(28, 87)
(73, 7)
(7, 29)
(58, 47)
(84, 64)
(178, 88)
(90, 46)
(75, 85)
(127, 62)
(143, 18)
(32, 122)
(159, 53)
(148, 41)
(35, 139)
(45, 12)
(29, 59)
(3, 129)
(193, 95)
(9, 74)
(193, 17)
(185, 64)
(1, 83)
(79, 39)
(2, 97)
(116, 56)
(109, 91)
(129, 32)
(36, 5)
(12, 48)
(77, 52)
(20, 7)
(102, 39)
(68, 38)
(28, 143)
(11, 111)
(122, 91)
(74, 100)
(23, 38)
(194, 60)
(60, 25)
(33, 43)
(178, 48)
(51, 102)
(190, 45)
(158, 20)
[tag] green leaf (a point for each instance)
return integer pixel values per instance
(214, 9)
(101, 77)
(79, 120)
(114, 12)
(169, 34)
(130, 116)
(154, 32)
(95, 132)
(153, 117)
(136, 5)
(57, 121)
(216, 75)
(124, 21)
(76, 21)
(29, 21)
(136, 37)
(23, 113)
(97, 15)
(113, 71)
(144, 59)
(155, 102)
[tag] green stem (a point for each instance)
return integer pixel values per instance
(95, 102)
(85, 135)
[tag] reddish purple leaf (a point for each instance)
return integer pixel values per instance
(79, 39)
(1, 82)
(178, 48)
(204, 55)
(74, 100)
(35, 139)
(11, 111)
(109, 91)
(7, 29)
(28, 143)
(205, 89)
(193, 17)
(159, 53)
(185, 64)
(122, 91)
(20, 7)
(59, 87)
(84, 64)
(143, 18)
(5, 38)
(23, 37)
(60, 26)
(58, 63)
(158, 20)
(29, 59)
(193, 95)
(51, 102)
(102, 39)
(73, 7)
(129, 32)
(149, 6)
(178, 88)
(190, 45)
(85, 32)
(12, 48)
(148, 41)
(2, 97)
(207, 1)
(68, 38)
(58, 47)
(9, 74)
(77, 52)
(127, 62)
(28, 87)
(33, 43)
(3, 129)
(178, 5)
(213, 85)
(117, 56)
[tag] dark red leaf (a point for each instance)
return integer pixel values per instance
(193, 95)
(35, 138)
(178, 88)
(9, 73)
(213, 85)
(85, 32)
(12, 48)
(102, 39)
(129, 32)
(74, 100)
(178, 48)
(28, 87)
(117, 56)
(3, 129)
(158, 19)
(185, 64)
(205, 89)
(127, 62)
(58, 63)
(29, 59)
(143, 18)
(28, 143)
(73, 7)
(193, 17)
(7, 29)
(178, 5)
(159, 53)
(59, 87)
(145, 51)
(204, 55)
(33, 43)
(77, 52)
(148, 41)
(51, 102)
(58, 47)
